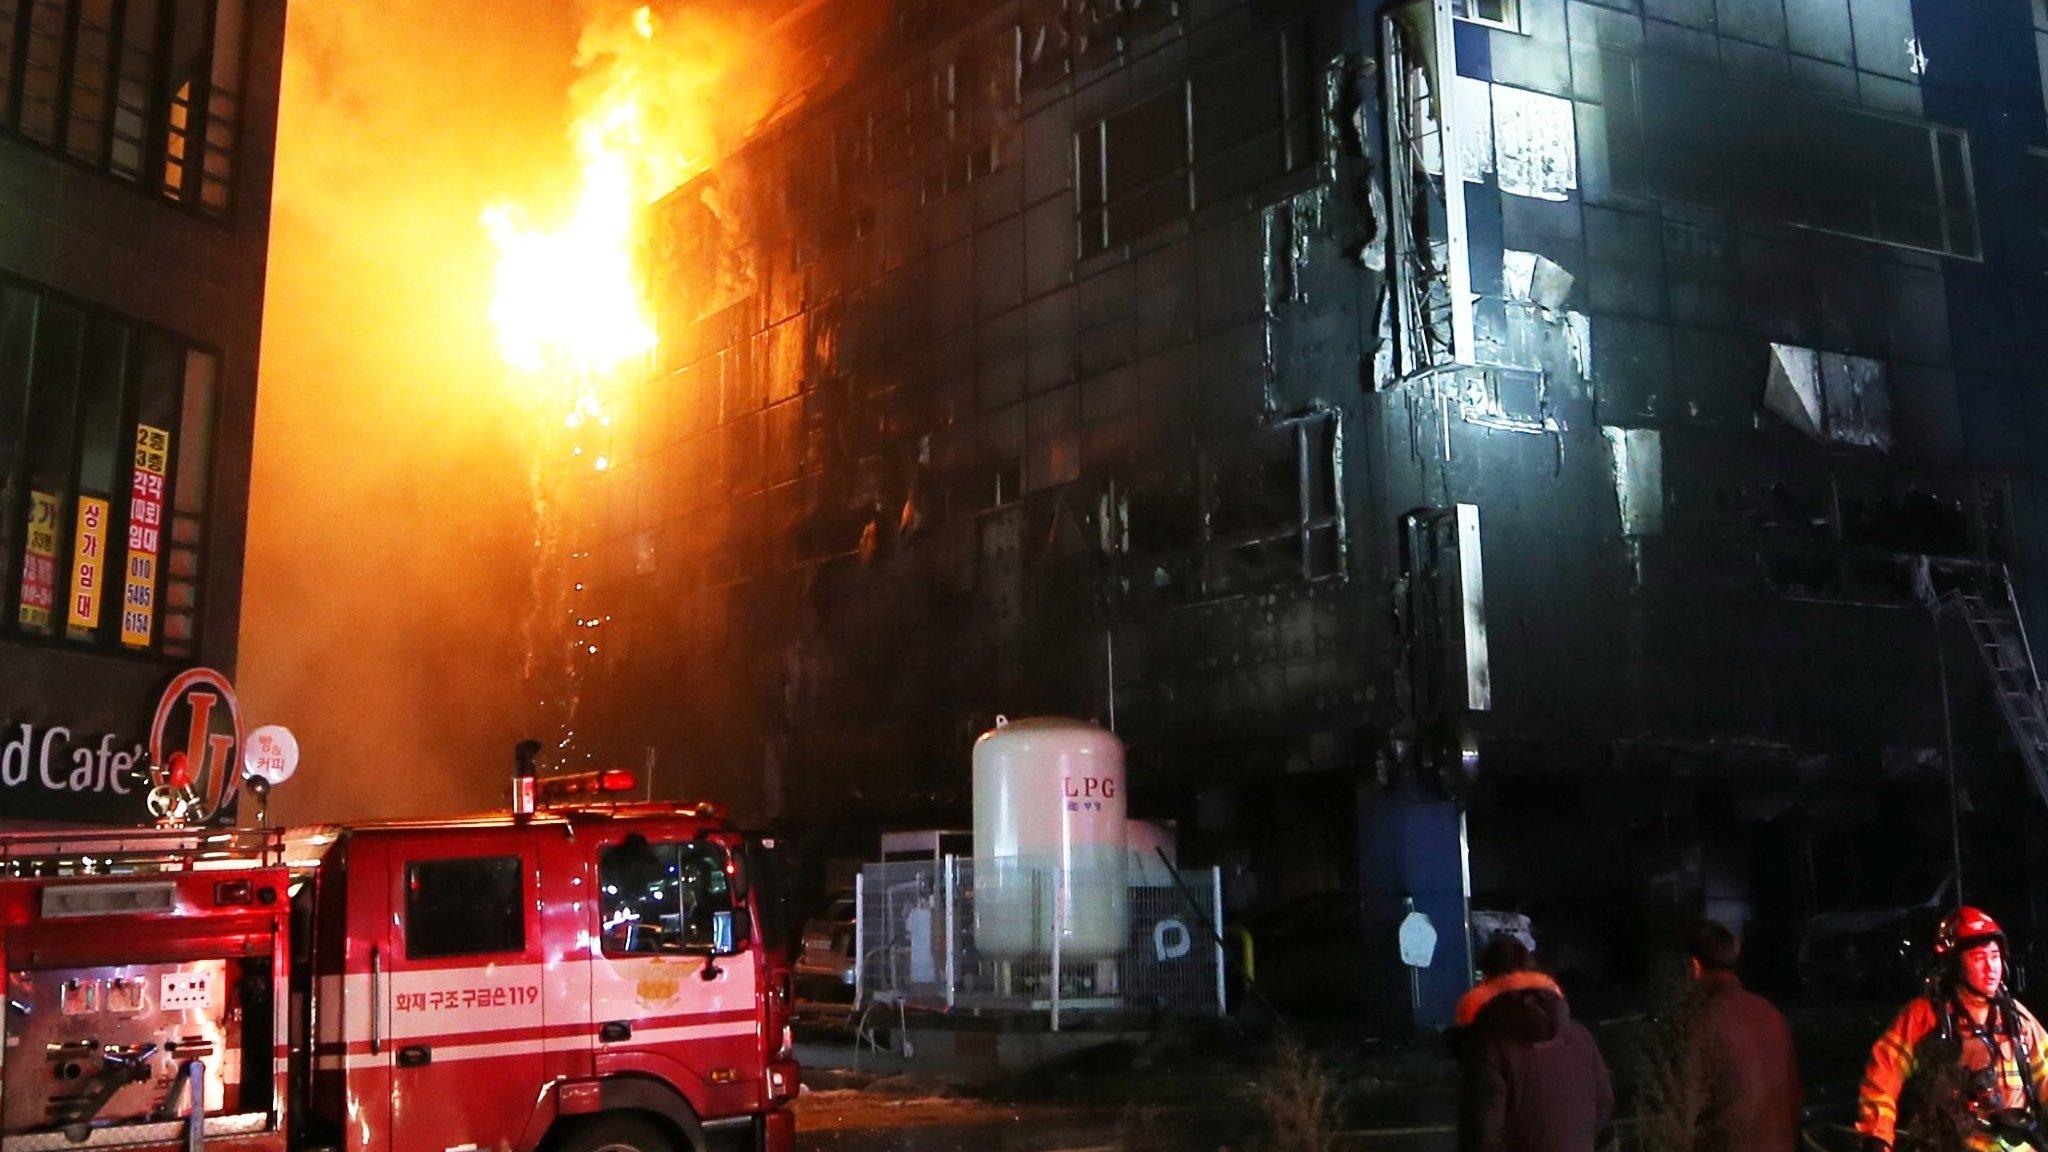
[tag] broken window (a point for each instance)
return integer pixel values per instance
(1045, 40)
(1235, 126)
(1133, 170)
(1429, 313)
(1830, 396)
(1274, 509)
(1253, 119)
(1255, 510)
(1504, 14)
(1007, 482)
(1733, 144)
(964, 168)
(1444, 612)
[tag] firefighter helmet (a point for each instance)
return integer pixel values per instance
(1965, 928)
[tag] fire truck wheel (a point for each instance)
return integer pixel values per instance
(620, 1132)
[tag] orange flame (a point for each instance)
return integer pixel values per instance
(655, 97)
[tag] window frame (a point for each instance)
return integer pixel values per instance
(153, 149)
(107, 641)
(724, 863)
(1301, 115)
(1642, 187)
(410, 878)
(1511, 22)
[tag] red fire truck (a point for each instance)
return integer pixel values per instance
(588, 976)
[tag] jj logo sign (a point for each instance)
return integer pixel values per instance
(192, 746)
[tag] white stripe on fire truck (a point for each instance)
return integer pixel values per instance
(498, 997)
(449, 1053)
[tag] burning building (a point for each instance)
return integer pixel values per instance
(1531, 426)
(136, 140)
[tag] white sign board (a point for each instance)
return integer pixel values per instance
(1418, 940)
(271, 754)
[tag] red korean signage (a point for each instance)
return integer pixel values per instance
(145, 535)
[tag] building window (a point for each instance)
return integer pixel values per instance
(464, 907)
(1257, 510)
(147, 91)
(1235, 126)
(1504, 14)
(106, 442)
(1728, 143)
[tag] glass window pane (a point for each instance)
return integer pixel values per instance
(100, 452)
(17, 341)
(230, 19)
(139, 24)
(100, 444)
(1146, 142)
(92, 63)
(40, 70)
(1698, 137)
(464, 907)
(1238, 99)
(187, 83)
(661, 897)
(53, 393)
(10, 11)
(195, 432)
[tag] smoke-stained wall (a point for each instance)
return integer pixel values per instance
(1052, 360)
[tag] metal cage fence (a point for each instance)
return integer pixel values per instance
(1012, 935)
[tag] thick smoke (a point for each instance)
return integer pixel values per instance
(389, 534)
(392, 529)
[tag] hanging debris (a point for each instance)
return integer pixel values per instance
(1830, 396)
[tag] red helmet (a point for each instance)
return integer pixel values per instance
(1964, 928)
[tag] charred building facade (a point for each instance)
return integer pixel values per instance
(1522, 424)
(135, 172)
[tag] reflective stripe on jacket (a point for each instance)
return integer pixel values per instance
(1906, 1046)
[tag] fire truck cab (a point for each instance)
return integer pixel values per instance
(593, 976)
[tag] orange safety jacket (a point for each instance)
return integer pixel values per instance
(1905, 1047)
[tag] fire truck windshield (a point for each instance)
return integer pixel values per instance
(665, 897)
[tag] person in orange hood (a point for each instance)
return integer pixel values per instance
(1504, 966)
(1531, 1079)
(1970, 1063)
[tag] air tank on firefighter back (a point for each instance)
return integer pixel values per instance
(1049, 840)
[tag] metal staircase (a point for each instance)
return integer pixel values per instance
(1992, 613)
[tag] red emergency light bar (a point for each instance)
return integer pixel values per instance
(583, 784)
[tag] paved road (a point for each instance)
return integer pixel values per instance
(847, 1120)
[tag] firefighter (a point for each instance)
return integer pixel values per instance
(1963, 1066)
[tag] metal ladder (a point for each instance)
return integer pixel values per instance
(1992, 613)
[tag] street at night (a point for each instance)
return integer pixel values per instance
(1023, 575)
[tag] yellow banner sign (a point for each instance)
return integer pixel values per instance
(88, 566)
(39, 563)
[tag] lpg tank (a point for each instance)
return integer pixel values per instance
(1049, 840)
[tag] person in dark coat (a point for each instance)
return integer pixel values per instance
(1531, 1078)
(1749, 1093)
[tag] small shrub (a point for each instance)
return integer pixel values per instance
(1300, 1101)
